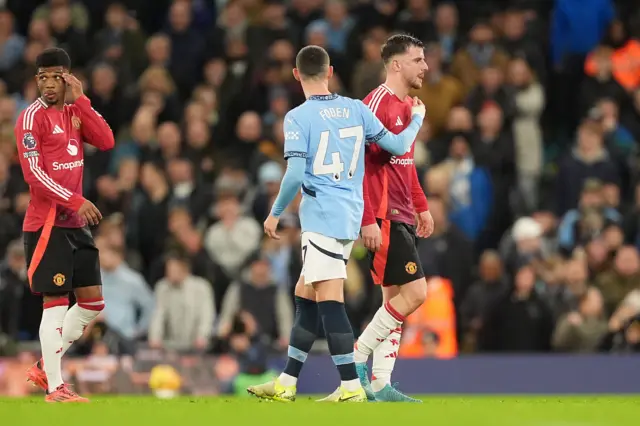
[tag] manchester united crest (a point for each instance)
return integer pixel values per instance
(411, 268)
(59, 279)
(76, 122)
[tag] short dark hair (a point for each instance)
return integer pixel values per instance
(53, 57)
(397, 44)
(312, 61)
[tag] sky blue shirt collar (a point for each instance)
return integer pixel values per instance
(329, 97)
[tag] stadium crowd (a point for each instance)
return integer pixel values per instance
(529, 161)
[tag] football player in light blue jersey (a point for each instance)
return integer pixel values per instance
(324, 140)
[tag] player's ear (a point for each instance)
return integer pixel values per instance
(330, 72)
(296, 74)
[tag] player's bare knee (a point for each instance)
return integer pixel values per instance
(48, 297)
(305, 291)
(389, 292)
(415, 293)
(329, 290)
(92, 292)
(90, 298)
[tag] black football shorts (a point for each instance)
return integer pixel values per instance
(397, 262)
(60, 260)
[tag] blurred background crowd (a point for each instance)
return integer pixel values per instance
(529, 159)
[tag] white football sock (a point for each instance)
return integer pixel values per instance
(384, 359)
(351, 385)
(384, 322)
(53, 314)
(77, 319)
(287, 380)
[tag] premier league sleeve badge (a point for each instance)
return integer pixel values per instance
(29, 141)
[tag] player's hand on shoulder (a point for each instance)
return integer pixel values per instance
(425, 225)
(270, 227)
(89, 212)
(75, 85)
(418, 108)
(371, 236)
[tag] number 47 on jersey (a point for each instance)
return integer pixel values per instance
(346, 148)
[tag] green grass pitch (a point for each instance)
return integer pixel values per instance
(230, 411)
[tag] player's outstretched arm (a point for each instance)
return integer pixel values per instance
(398, 144)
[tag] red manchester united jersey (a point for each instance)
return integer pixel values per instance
(50, 147)
(391, 185)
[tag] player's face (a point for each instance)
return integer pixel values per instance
(51, 85)
(413, 67)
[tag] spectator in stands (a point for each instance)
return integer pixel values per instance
(150, 217)
(184, 314)
(447, 31)
(521, 45)
(582, 330)
(121, 40)
(482, 295)
(448, 252)
(471, 192)
(367, 71)
(68, 36)
(106, 95)
(624, 52)
(129, 297)
(11, 44)
(185, 237)
(480, 52)
(416, 19)
(624, 277)
(233, 238)
(493, 150)
(140, 143)
(256, 294)
(625, 339)
(601, 83)
(567, 286)
(491, 89)
(187, 48)
(459, 120)
(520, 321)
(186, 190)
(589, 159)
(589, 220)
(78, 12)
(618, 139)
(527, 132)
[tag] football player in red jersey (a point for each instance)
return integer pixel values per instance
(61, 255)
(394, 202)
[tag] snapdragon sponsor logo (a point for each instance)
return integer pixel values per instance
(68, 166)
(401, 161)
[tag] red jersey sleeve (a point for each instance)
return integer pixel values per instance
(368, 217)
(95, 130)
(376, 101)
(28, 140)
(417, 194)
